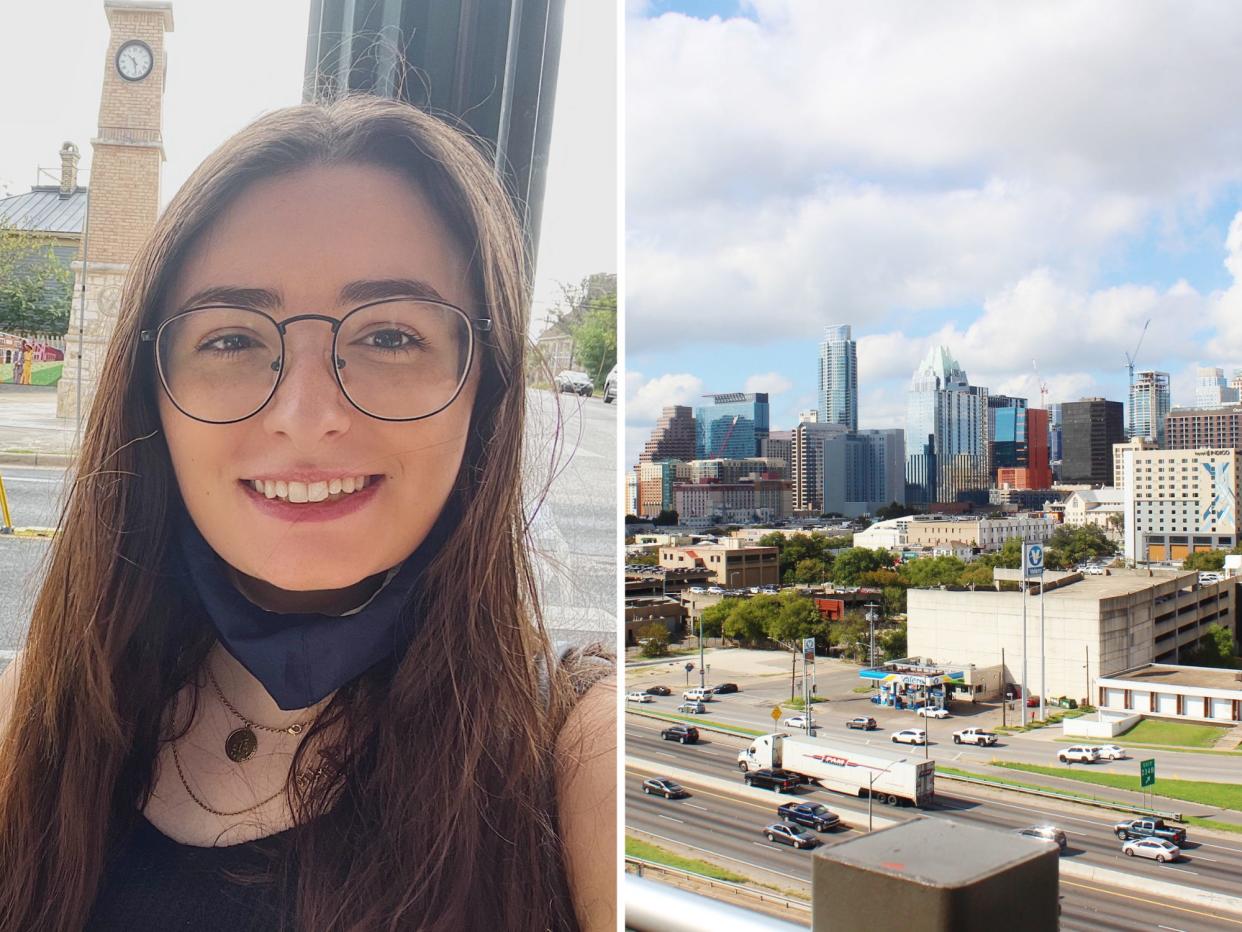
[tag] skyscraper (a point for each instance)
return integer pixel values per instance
(946, 433)
(838, 378)
(1090, 427)
(1007, 431)
(863, 471)
(1212, 390)
(733, 425)
(1149, 405)
(806, 466)
(673, 437)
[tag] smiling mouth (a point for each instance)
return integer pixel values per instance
(299, 493)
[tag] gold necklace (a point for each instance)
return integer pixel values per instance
(241, 743)
(203, 805)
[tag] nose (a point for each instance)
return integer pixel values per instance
(308, 405)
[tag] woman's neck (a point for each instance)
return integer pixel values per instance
(320, 601)
(248, 695)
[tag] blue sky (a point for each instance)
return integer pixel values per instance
(928, 175)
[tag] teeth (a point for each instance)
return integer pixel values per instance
(300, 492)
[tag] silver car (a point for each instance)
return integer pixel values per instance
(610, 386)
(1155, 848)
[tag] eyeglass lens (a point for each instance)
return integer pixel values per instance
(398, 359)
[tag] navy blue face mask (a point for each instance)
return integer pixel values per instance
(300, 658)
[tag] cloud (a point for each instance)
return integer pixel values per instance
(646, 398)
(771, 382)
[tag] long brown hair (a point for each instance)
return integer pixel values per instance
(442, 814)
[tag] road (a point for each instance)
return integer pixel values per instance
(731, 828)
(574, 528)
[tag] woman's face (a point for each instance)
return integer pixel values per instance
(307, 238)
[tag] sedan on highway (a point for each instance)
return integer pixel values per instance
(797, 721)
(659, 691)
(638, 697)
(683, 734)
(790, 835)
(1111, 752)
(1155, 848)
(1045, 833)
(663, 786)
(929, 712)
(910, 736)
(864, 722)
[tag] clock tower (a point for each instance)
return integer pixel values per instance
(124, 192)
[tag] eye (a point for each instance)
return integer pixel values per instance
(392, 339)
(228, 343)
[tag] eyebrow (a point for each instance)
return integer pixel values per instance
(356, 292)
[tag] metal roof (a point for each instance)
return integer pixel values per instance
(43, 210)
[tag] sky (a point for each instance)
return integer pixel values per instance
(1025, 183)
(221, 77)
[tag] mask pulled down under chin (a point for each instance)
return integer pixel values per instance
(300, 658)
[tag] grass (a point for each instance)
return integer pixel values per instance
(797, 703)
(41, 373)
(1182, 734)
(863, 689)
(1204, 793)
(1005, 781)
(635, 848)
(673, 716)
(1163, 747)
(1214, 824)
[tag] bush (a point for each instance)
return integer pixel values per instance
(654, 640)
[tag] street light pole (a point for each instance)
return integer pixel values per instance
(871, 619)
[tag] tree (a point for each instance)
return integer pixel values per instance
(1069, 546)
(654, 640)
(894, 510)
(852, 633)
(850, 564)
(35, 288)
(931, 572)
(810, 572)
(1212, 561)
(795, 618)
(595, 337)
(650, 558)
(667, 517)
(748, 622)
(713, 617)
(977, 574)
(1214, 649)
(892, 642)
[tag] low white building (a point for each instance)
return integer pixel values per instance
(917, 532)
(1201, 694)
(1093, 625)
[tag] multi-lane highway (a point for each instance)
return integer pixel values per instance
(728, 829)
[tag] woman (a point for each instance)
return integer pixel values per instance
(286, 668)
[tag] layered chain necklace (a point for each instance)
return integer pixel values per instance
(242, 742)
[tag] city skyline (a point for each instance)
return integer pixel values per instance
(920, 215)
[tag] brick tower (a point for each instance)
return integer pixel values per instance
(124, 186)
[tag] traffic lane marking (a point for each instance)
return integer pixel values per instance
(729, 857)
(1108, 891)
(670, 818)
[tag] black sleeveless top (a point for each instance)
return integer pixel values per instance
(154, 884)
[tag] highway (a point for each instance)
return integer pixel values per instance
(729, 830)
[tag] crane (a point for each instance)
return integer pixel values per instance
(1043, 386)
(1130, 358)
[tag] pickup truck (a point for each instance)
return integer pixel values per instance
(974, 736)
(1149, 828)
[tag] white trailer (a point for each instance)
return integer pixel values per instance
(890, 776)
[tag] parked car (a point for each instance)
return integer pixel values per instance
(863, 722)
(789, 835)
(568, 380)
(637, 697)
(798, 721)
(1111, 752)
(610, 386)
(725, 688)
(692, 707)
(910, 736)
(659, 691)
(1046, 833)
(1158, 849)
(812, 815)
(663, 786)
(929, 712)
(769, 778)
(682, 734)
(1150, 828)
(1078, 754)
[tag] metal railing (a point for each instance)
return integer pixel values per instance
(658, 907)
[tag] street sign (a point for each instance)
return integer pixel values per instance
(808, 650)
(1147, 772)
(776, 713)
(1032, 560)
(689, 667)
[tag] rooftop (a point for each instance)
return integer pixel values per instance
(1169, 675)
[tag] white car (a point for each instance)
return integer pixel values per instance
(638, 697)
(1155, 848)
(928, 712)
(910, 736)
(797, 721)
(610, 386)
(1079, 754)
(1111, 752)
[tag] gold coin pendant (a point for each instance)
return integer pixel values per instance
(241, 745)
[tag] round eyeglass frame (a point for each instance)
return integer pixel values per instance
(482, 324)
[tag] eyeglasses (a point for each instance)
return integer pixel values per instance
(399, 359)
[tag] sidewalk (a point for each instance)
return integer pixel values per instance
(30, 432)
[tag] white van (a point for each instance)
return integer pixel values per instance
(699, 693)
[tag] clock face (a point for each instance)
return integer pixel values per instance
(134, 60)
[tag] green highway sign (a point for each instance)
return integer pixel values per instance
(1147, 772)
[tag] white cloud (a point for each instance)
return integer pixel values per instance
(771, 382)
(646, 398)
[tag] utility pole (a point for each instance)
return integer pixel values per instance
(1004, 689)
(871, 620)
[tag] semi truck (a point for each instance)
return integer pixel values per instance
(889, 776)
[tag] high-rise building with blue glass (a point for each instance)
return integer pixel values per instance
(734, 425)
(1150, 402)
(1007, 431)
(838, 378)
(947, 457)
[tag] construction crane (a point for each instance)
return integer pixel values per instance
(1130, 359)
(1043, 386)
